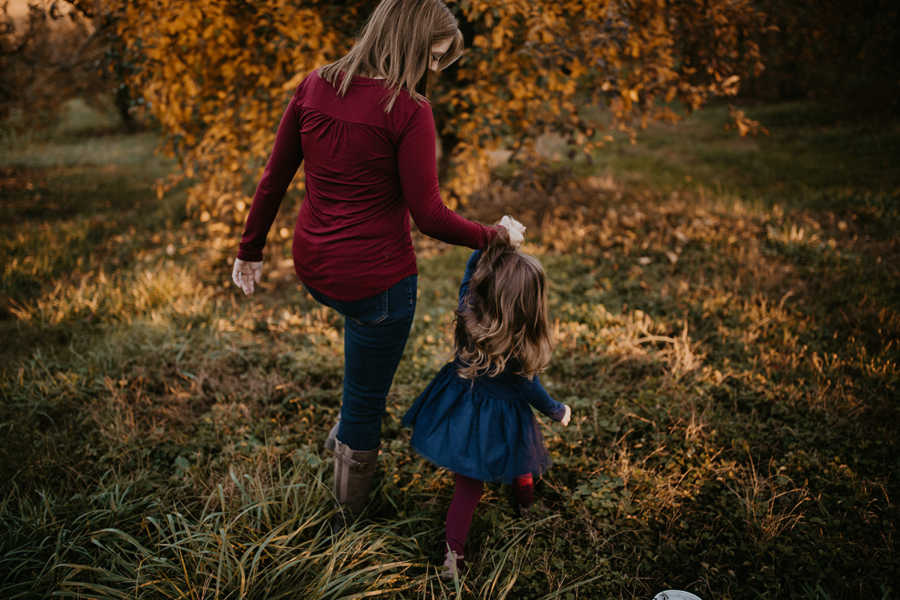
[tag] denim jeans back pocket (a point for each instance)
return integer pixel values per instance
(370, 311)
(396, 303)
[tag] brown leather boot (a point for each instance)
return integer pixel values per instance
(353, 474)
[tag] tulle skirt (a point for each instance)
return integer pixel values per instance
(481, 429)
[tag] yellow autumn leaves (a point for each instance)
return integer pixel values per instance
(218, 74)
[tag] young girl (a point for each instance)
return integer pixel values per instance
(474, 417)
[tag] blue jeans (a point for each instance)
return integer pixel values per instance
(375, 332)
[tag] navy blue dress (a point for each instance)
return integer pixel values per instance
(483, 428)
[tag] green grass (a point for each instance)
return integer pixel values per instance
(727, 330)
(812, 149)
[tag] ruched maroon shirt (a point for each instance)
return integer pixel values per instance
(366, 172)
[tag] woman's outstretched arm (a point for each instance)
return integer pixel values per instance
(417, 165)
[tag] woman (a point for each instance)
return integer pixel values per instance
(368, 142)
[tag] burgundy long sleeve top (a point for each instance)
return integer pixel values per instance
(366, 172)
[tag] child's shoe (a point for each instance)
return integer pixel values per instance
(521, 495)
(453, 562)
(535, 511)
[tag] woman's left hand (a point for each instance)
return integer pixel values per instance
(245, 274)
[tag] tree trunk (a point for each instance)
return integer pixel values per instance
(123, 105)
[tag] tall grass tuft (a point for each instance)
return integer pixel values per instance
(271, 533)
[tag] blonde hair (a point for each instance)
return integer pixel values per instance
(503, 319)
(396, 44)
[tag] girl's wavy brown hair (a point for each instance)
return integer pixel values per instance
(396, 44)
(503, 321)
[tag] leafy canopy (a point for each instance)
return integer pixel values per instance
(217, 74)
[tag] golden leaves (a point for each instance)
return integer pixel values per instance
(216, 78)
(217, 75)
(744, 124)
(535, 66)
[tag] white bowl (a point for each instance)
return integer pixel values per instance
(675, 595)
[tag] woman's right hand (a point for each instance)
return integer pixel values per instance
(245, 274)
(515, 229)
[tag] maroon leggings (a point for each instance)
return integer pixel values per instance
(466, 495)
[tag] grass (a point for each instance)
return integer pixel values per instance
(726, 314)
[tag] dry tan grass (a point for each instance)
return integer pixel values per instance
(771, 503)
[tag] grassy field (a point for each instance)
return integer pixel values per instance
(727, 315)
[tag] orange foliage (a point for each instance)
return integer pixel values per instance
(217, 74)
(536, 65)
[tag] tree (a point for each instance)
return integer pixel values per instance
(51, 51)
(217, 74)
(535, 65)
(834, 51)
